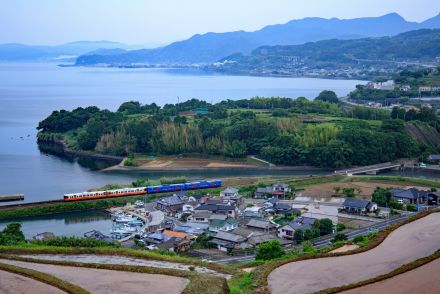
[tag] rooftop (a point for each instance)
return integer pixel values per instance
(172, 200)
(357, 203)
(229, 237)
(260, 224)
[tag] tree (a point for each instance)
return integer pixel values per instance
(12, 234)
(324, 225)
(269, 250)
(339, 237)
(327, 96)
(298, 236)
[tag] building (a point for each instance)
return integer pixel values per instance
(301, 223)
(425, 89)
(409, 196)
(260, 225)
(221, 222)
(434, 158)
(218, 208)
(200, 217)
(359, 206)
(229, 193)
(227, 241)
(170, 205)
(276, 190)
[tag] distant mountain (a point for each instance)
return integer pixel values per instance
(210, 47)
(20, 52)
(411, 48)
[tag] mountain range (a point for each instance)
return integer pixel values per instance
(21, 52)
(211, 47)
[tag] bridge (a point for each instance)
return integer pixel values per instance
(370, 169)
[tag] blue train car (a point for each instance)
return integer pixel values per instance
(185, 186)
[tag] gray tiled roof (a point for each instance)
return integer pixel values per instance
(172, 200)
(356, 203)
(260, 224)
(229, 237)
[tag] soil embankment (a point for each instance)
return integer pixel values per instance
(99, 281)
(408, 243)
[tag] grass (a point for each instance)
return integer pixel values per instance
(198, 283)
(394, 179)
(45, 278)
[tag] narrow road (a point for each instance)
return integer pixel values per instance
(406, 244)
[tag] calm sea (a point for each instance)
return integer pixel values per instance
(31, 91)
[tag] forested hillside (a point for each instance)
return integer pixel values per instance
(282, 130)
(417, 46)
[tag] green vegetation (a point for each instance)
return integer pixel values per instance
(272, 128)
(43, 209)
(12, 235)
(269, 250)
(74, 242)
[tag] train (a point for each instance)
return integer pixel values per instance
(143, 190)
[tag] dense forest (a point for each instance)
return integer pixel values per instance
(284, 131)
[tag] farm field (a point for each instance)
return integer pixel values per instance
(421, 238)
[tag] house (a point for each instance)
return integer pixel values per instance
(218, 208)
(197, 198)
(44, 236)
(434, 158)
(221, 222)
(276, 190)
(425, 89)
(229, 193)
(253, 212)
(433, 198)
(260, 225)
(409, 196)
(359, 206)
(179, 235)
(301, 223)
(286, 209)
(270, 202)
(200, 217)
(258, 239)
(227, 241)
(182, 195)
(189, 207)
(170, 205)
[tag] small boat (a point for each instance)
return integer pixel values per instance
(135, 223)
(126, 219)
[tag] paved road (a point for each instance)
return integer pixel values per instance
(408, 243)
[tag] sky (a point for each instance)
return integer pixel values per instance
(158, 22)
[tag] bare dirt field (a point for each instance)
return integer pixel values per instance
(99, 281)
(16, 284)
(364, 189)
(420, 280)
(345, 248)
(174, 162)
(406, 244)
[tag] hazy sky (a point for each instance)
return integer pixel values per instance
(162, 21)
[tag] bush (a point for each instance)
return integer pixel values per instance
(358, 239)
(269, 250)
(75, 242)
(130, 161)
(307, 247)
(411, 207)
(177, 180)
(339, 237)
(340, 227)
(12, 235)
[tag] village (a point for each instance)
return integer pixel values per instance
(215, 227)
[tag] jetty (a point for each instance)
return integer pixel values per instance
(369, 169)
(11, 197)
